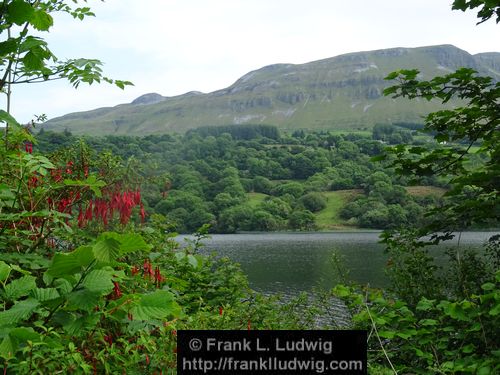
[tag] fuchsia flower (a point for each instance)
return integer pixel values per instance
(148, 269)
(108, 339)
(81, 218)
(158, 277)
(117, 293)
(143, 213)
(134, 271)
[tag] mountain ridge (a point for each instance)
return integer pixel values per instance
(341, 92)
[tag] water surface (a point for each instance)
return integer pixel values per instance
(289, 263)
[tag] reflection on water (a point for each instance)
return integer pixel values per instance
(289, 263)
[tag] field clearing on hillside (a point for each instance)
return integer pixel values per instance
(328, 218)
(422, 191)
(255, 198)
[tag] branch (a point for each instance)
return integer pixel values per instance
(376, 333)
(11, 61)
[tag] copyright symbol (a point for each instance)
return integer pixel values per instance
(195, 345)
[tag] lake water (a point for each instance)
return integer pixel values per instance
(289, 263)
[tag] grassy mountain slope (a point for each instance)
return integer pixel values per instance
(342, 92)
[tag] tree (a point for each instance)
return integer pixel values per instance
(302, 220)
(313, 202)
(475, 195)
(489, 8)
(26, 58)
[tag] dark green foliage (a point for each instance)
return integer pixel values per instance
(442, 320)
(302, 220)
(488, 8)
(313, 202)
(475, 197)
(391, 134)
(242, 131)
(216, 172)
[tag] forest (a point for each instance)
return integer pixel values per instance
(253, 178)
(92, 280)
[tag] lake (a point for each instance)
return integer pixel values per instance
(289, 263)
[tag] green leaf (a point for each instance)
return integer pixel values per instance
(4, 271)
(64, 286)
(64, 264)
(45, 294)
(192, 261)
(91, 182)
(7, 118)
(41, 20)
(70, 263)
(31, 42)
(129, 242)
(24, 334)
(9, 46)
(495, 310)
(106, 250)
(99, 281)
(32, 61)
(7, 348)
(21, 310)
(19, 12)
(387, 334)
(488, 286)
(82, 324)
(157, 305)
(428, 322)
(20, 287)
(425, 304)
(392, 75)
(83, 300)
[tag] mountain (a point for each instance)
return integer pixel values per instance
(342, 92)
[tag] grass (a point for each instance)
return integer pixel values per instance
(422, 191)
(255, 198)
(329, 217)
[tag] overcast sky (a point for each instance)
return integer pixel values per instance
(175, 46)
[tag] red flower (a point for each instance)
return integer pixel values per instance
(88, 211)
(81, 218)
(69, 164)
(108, 339)
(117, 293)
(143, 213)
(134, 271)
(221, 310)
(147, 269)
(28, 146)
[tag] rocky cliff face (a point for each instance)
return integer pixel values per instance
(342, 92)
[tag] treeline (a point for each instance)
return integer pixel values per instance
(244, 131)
(206, 176)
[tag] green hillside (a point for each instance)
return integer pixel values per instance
(342, 92)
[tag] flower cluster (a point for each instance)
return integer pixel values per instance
(149, 273)
(103, 209)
